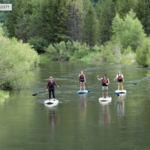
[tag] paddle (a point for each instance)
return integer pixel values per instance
(87, 87)
(117, 94)
(38, 93)
(131, 83)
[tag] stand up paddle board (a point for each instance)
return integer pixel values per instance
(50, 105)
(105, 100)
(121, 91)
(52, 101)
(82, 92)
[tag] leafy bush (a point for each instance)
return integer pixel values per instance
(108, 50)
(80, 50)
(143, 53)
(128, 32)
(16, 62)
(39, 44)
(62, 49)
(3, 95)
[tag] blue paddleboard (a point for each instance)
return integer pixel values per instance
(82, 92)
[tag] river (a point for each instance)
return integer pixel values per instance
(78, 122)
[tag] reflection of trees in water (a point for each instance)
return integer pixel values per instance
(120, 105)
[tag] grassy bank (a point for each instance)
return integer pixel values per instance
(3, 95)
(96, 56)
(44, 58)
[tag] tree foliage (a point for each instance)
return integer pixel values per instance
(124, 6)
(128, 32)
(105, 14)
(39, 44)
(62, 49)
(143, 13)
(16, 62)
(143, 53)
(90, 27)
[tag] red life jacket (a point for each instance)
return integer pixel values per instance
(105, 81)
(119, 77)
(81, 76)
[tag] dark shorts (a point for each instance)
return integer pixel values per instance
(119, 80)
(81, 80)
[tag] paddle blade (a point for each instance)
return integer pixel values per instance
(134, 83)
(117, 94)
(34, 94)
(88, 91)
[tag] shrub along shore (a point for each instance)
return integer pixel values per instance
(93, 56)
(17, 60)
(3, 95)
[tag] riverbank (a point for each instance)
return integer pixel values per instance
(3, 95)
(96, 56)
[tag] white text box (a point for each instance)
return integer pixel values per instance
(5, 7)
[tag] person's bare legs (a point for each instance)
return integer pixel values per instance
(103, 94)
(122, 85)
(118, 85)
(84, 85)
(80, 86)
(106, 93)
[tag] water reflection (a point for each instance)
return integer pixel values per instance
(51, 117)
(83, 105)
(120, 105)
(105, 115)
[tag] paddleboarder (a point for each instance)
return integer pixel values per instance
(82, 80)
(50, 85)
(120, 78)
(105, 82)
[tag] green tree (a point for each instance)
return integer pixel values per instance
(14, 17)
(143, 13)
(90, 27)
(36, 21)
(105, 14)
(16, 62)
(74, 18)
(143, 53)
(128, 32)
(124, 6)
(53, 13)
(58, 25)
(39, 44)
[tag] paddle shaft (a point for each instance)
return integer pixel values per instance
(38, 93)
(86, 86)
(111, 89)
(117, 94)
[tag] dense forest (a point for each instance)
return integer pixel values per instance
(112, 29)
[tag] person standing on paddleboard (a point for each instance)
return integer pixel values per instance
(50, 85)
(120, 79)
(82, 80)
(105, 82)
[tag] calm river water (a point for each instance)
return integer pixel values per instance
(78, 122)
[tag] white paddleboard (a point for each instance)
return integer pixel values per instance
(121, 91)
(50, 105)
(104, 100)
(52, 101)
(82, 92)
